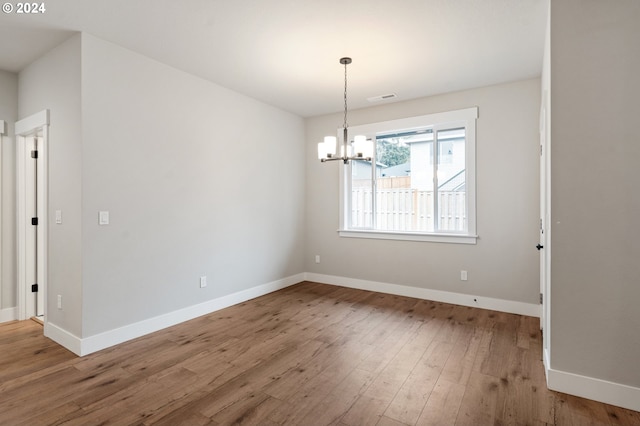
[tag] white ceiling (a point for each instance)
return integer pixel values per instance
(286, 52)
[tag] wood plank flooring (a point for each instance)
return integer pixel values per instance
(310, 354)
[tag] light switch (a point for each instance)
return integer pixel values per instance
(103, 218)
(59, 217)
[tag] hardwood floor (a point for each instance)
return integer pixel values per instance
(310, 354)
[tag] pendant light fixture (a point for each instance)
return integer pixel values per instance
(360, 149)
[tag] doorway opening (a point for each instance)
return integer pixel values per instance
(32, 135)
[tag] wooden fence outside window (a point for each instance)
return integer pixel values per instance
(407, 209)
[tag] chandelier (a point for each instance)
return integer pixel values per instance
(358, 149)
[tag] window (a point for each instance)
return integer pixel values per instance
(420, 184)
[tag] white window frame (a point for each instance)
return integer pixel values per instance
(462, 118)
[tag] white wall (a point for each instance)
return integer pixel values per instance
(595, 64)
(8, 113)
(504, 263)
(199, 180)
(53, 82)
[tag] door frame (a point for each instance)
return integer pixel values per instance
(545, 228)
(33, 125)
(2, 134)
(542, 237)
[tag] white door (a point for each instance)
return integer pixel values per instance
(544, 240)
(31, 174)
(35, 293)
(542, 236)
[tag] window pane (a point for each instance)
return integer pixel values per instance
(419, 186)
(404, 194)
(361, 194)
(451, 180)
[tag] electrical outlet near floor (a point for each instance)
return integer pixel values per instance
(463, 275)
(203, 282)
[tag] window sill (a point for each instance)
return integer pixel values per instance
(409, 236)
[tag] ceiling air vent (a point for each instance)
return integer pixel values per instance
(386, 97)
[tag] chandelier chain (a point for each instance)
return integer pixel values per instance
(345, 125)
(359, 149)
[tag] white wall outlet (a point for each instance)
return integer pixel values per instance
(203, 282)
(463, 275)
(317, 258)
(59, 217)
(59, 301)
(103, 218)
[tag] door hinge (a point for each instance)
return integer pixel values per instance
(34, 221)
(34, 288)
(541, 298)
(34, 154)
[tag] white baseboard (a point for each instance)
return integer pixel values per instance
(591, 388)
(91, 344)
(63, 337)
(546, 362)
(501, 305)
(8, 314)
(87, 345)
